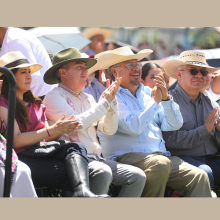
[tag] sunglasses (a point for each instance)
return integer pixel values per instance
(194, 72)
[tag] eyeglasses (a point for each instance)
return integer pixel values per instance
(131, 65)
(194, 72)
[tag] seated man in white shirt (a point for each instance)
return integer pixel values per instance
(143, 115)
(70, 71)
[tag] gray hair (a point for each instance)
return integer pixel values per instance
(181, 67)
(110, 73)
(57, 74)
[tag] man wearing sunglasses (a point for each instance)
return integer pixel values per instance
(143, 115)
(198, 140)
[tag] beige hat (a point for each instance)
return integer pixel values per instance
(112, 57)
(91, 32)
(16, 59)
(189, 57)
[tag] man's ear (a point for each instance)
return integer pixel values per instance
(142, 81)
(62, 73)
(178, 73)
(113, 71)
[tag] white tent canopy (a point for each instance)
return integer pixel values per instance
(59, 38)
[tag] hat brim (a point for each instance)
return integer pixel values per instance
(171, 66)
(90, 32)
(109, 59)
(49, 76)
(34, 67)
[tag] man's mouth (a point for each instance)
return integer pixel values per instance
(135, 74)
(197, 81)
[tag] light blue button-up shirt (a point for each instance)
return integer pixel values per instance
(141, 122)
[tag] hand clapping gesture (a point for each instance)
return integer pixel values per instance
(64, 125)
(160, 83)
(112, 90)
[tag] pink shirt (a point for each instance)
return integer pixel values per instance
(36, 116)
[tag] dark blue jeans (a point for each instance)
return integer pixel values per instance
(211, 165)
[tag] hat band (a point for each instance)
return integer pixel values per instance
(16, 63)
(196, 62)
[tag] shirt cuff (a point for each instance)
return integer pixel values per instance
(166, 104)
(203, 131)
(114, 105)
(104, 103)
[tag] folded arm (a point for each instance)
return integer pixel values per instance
(185, 139)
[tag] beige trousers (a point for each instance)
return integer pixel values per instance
(162, 171)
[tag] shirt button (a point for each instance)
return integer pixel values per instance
(155, 109)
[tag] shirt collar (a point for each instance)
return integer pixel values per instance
(69, 90)
(128, 92)
(93, 81)
(185, 96)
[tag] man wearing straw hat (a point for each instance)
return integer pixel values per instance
(198, 140)
(142, 118)
(70, 71)
(97, 37)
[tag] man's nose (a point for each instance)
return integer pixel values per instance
(199, 74)
(135, 67)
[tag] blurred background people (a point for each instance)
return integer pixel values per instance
(97, 37)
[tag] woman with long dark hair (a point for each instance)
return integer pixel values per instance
(56, 164)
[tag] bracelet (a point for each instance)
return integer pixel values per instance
(168, 98)
(48, 132)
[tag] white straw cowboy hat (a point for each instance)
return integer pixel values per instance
(16, 59)
(91, 32)
(112, 57)
(189, 57)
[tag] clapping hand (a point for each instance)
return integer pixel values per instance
(160, 83)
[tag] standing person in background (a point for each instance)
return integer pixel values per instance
(97, 86)
(16, 39)
(97, 37)
(101, 81)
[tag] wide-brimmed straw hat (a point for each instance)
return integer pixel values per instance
(63, 57)
(189, 57)
(91, 32)
(112, 57)
(16, 59)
